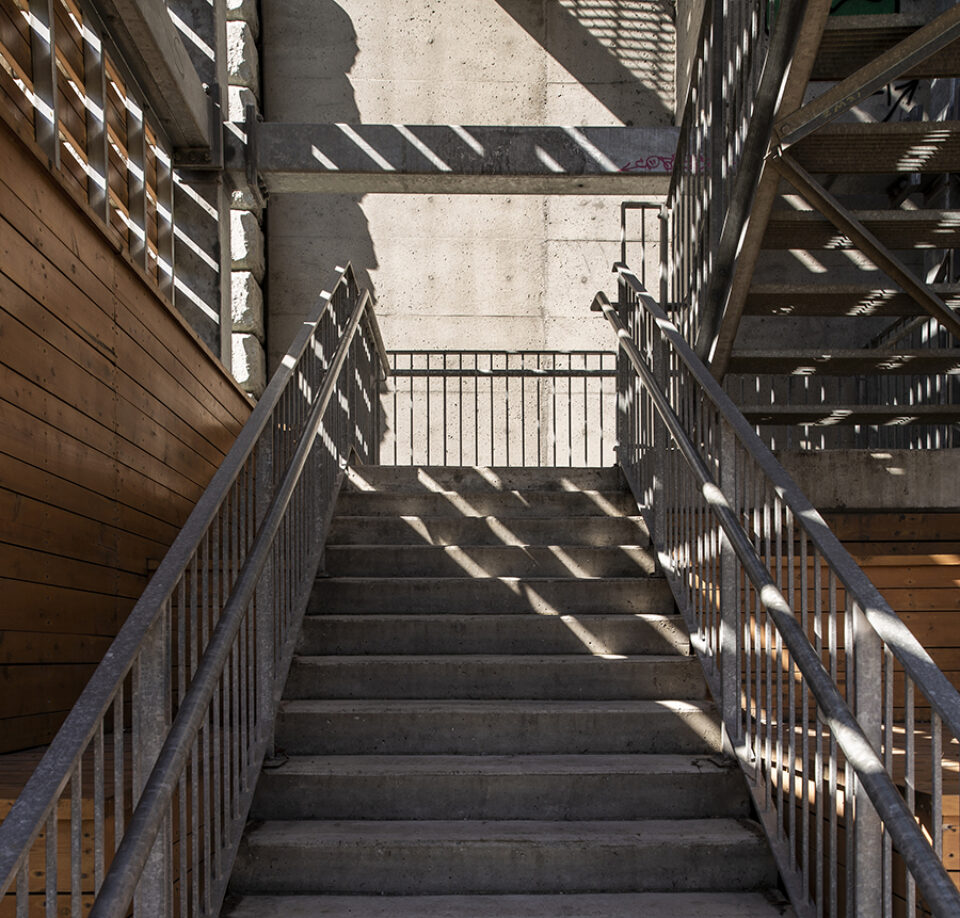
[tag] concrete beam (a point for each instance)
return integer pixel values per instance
(158, 59)
(449, 159)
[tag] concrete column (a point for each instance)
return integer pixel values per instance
(247, 245)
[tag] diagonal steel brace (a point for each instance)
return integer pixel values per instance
(821, 199)
(904, 55)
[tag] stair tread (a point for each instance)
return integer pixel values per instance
(898, 229)
(570, 905)
(482, 479)
(442, 706)
(854, 300)
(720, 831)
(519, 764)
(521, 659)
(850, 42)
(832, 415)
(888, 147)
(844, 361)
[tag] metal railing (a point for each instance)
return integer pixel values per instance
(66, 87)
(527, 408)
(729, 55)
(836, 713)
(154, 769)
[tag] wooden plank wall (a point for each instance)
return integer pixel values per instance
(113, 417)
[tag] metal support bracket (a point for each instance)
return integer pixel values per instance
(254, 182)
(206, 159)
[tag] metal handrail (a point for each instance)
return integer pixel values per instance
(275, 416)
(870, 772)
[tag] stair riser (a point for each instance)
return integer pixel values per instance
(596, 905)
(539, 677)
(597, 531)
(422, 634)
(507, 504)
(472, 796)
(471, 480)
(494, 866)
(384, 596)
(496, 733)
(487, 561)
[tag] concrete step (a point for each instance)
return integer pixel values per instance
(442, 857)
(312, 727)
(472, 479)
(597, 905)
(543, 595)
(502, 787)
(496, 676)
(585, 634)
(487, 561)
(487, 503)
(487, 530)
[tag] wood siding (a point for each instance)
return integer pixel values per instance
(113, 418)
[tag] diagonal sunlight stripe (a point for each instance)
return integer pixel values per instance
(323, 159)
(548, 160)
(363, 145)
(412, 138)
(595, 153)
(468, 139)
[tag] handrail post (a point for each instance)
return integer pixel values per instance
(151, 722)
(867, 708)
(729, 595)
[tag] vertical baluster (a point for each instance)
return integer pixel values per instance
(910, 777)
(523, 409)
(23, 887)
(888, 744)
(818, 738)
(76, 839)
(413, 461)
(586, 415)
(444, 407)
(43, 53)
(50, 864)
(137, 184)
(553, 392)
(460, 403)
(493, 438)
(506, 382)
(832, 747)
(99, 814)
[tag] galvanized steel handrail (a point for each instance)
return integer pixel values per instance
(661, 384)
(195, 556)
(908, 650)
(124, 874)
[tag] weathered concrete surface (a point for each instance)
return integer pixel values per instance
(881, 479)
(459, 270)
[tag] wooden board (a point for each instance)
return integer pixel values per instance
(113, 418)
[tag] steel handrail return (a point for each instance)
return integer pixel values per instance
(220, 616)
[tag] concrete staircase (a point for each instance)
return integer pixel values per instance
(494, 711)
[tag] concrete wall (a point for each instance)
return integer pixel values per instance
(465, 270)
